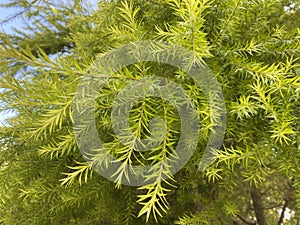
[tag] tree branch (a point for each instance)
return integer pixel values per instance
(258, 206)
(280, 220)
(245, 220)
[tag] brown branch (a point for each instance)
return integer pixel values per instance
(287, 200)
(245, 220)
(280, 220)
(258, 206)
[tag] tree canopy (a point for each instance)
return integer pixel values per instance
(252, 50)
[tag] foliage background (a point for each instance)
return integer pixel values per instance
(252, 48)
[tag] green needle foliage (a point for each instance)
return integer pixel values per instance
(252, 48)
